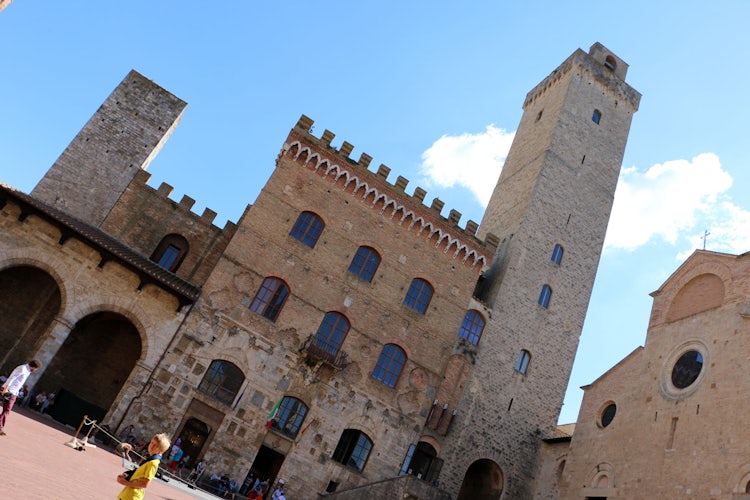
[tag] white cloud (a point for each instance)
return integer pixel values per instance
(676, 201)
(472, 161)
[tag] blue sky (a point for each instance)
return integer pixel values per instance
(432, 89)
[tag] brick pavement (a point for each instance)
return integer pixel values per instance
(36, 464)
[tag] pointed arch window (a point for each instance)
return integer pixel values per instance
(307, 229)
(170, 252)
(545, 296)
(522, 364)
(365, 263)
(332, 332)
(557, 254)
(222, 381)
(390, 364)
(472, 327)
(270, 298)
(419, 295)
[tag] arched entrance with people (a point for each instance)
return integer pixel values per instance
(91, 367)
(192, 438)
(30, 299)
(483, 481)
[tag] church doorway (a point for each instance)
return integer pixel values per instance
(29, 301)
(483, 481)
(91, 366)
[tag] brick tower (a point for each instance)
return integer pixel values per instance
(550, 210)
(119, 140)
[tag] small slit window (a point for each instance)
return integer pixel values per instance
(522, 364)
(596, 117)
(557, 254)
(545, 296)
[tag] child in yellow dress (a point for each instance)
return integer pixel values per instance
(135, 486)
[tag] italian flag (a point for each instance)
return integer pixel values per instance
(273, 414)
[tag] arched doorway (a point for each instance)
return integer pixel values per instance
(483, 481)
(92, 365)
(192, 438)
(29, 300)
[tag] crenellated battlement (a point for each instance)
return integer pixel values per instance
(600, 65)
(185, 204)
(391, 199)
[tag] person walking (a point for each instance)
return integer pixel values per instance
(13, 386)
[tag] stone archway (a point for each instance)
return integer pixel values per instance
(91, 367)
(483, 481)
(29, 301)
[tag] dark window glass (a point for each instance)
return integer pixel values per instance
(544, 296)
(353, 449)
(222, 381)
(331, 332)
(419, 295)
(389, 365)
(365, 263)
(472, 327)
(289, 417)
(687, 369)
(597, 116)
(270, 298)
(522, 364)
(307, 229)
(608, 414)
(557, 254)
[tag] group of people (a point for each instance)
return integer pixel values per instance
(254, 488)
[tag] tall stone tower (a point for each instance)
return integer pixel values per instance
(119, 140)
(550, 210)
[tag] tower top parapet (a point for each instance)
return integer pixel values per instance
(390, 198)
(604, 66)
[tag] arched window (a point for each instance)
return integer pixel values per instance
(557, 254)
(419, 295)
(610, 63)
(222, 381)
(170, 252)
(544, 296)
(307, 229)
(365, 263)
(288, 417)
(596, 117)
(270, 298)
(472, 327)
(353, 449)
(331, 332)
(522, 364)
(390, 364)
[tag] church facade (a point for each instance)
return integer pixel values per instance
(667, 421)
(343, 334)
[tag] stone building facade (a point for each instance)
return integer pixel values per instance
(668, 420)
(342, 334)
